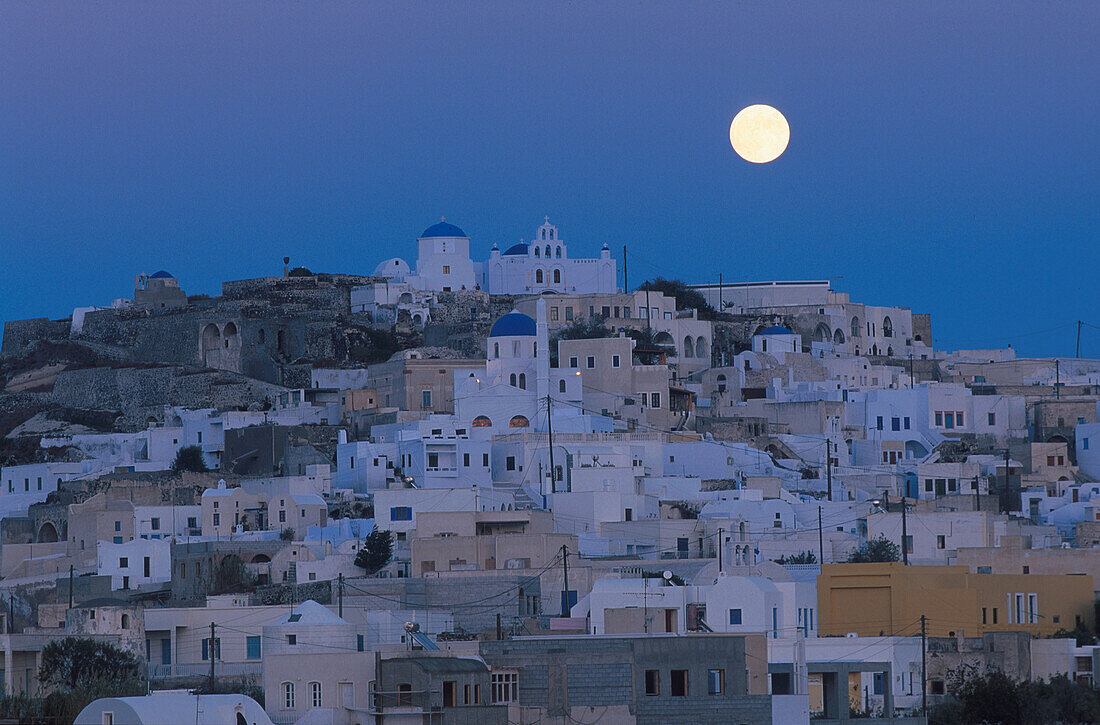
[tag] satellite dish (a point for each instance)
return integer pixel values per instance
(667, 575)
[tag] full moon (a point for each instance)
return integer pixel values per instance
(759, 134)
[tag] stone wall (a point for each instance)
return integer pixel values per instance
(18, 334)
(142, 392)
(331, 292)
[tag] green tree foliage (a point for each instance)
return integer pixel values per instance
(189, 458)
(803, 557)
(287, 534)
(582, 328)
(77, 661)
(376, 552)
(1080, 633)
(300, 272)
(876, 550)
(686, 297)
(994, 697)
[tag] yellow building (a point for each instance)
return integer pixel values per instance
(872, 599)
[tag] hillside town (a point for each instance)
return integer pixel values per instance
(528, 488)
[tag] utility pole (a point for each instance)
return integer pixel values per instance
(565, 580)
(904, 533)
(648, 309)
(721, 543)
(645, 603)
(912, 380)
(626, 284)
(820, 539)
(977, 496)
(11, 613)
(1004, 489)
(1057, 379)
(340, 594)
(213, 654)
(720, 293)
(829, 467)
(550, 438)
(1077, 350)
(923, 666)
(70, 586)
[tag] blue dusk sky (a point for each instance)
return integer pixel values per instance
(944, 155)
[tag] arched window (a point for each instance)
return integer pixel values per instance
(538, 276)
(887, 327)
(551, 233)
(689, 347)
(519, 421)
(855, 327)
(288, 695)
(557, 276)
(240, 719)
(315, 694)
(481, 422)
(890, 351)
(536, 251)
(548, 246)
(838, 337)
(496, 349)
(561, 386)
(701, 347)
(543, 236)
(230, 333)
(262, 335)
(125, 621)
(523, 381)
(557, 252)
(512, 380)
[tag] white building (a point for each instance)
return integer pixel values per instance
(544, 265)
(134, 563)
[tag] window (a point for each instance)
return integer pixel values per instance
(39, 483)
(941, 541)
(928, 485)
(590, 362)
(939, 419)
(655, 400)
(895, 423)
(288, 695)
(679, 683)
(401, 513)
(466, 460)
(992, 418)
(252, 647)
(510, 463)
(877, 681)
(360, 643)
(315, 688)
(561, 386)
(735, 616)
(118, 526)
(653, 682)
(217, 521)
(909, 543)
(906, 420)
(568, 314)
(426, 398)
(292, 639)
(949, 420)
(935, 687)
(282, 517)
(124, 563)
(217, 648)
(446, 269)
(614, 361)
(716, 682)
(878, 423)
(553, 314)
(505, 687)
(485, 460)
(958, 418)
(573, 362)
(557, 272)
(449, 693)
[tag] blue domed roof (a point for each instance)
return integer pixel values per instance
(161, 275)
(513, 324)
(442, 229)
(777, 330)
(517, 249)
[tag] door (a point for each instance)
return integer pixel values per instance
(347, 695)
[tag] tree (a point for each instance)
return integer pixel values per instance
(686, 297)
(300, 272)
(583, 328)
(78, 662)
(985, 697)
(189, 458)
(879, 549)
(287, 534)
(376, 552)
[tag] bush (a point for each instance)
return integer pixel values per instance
(299, 272)
(804, 557)
(995, 697)
(287, 534)
(686, 298)
(189, 458)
